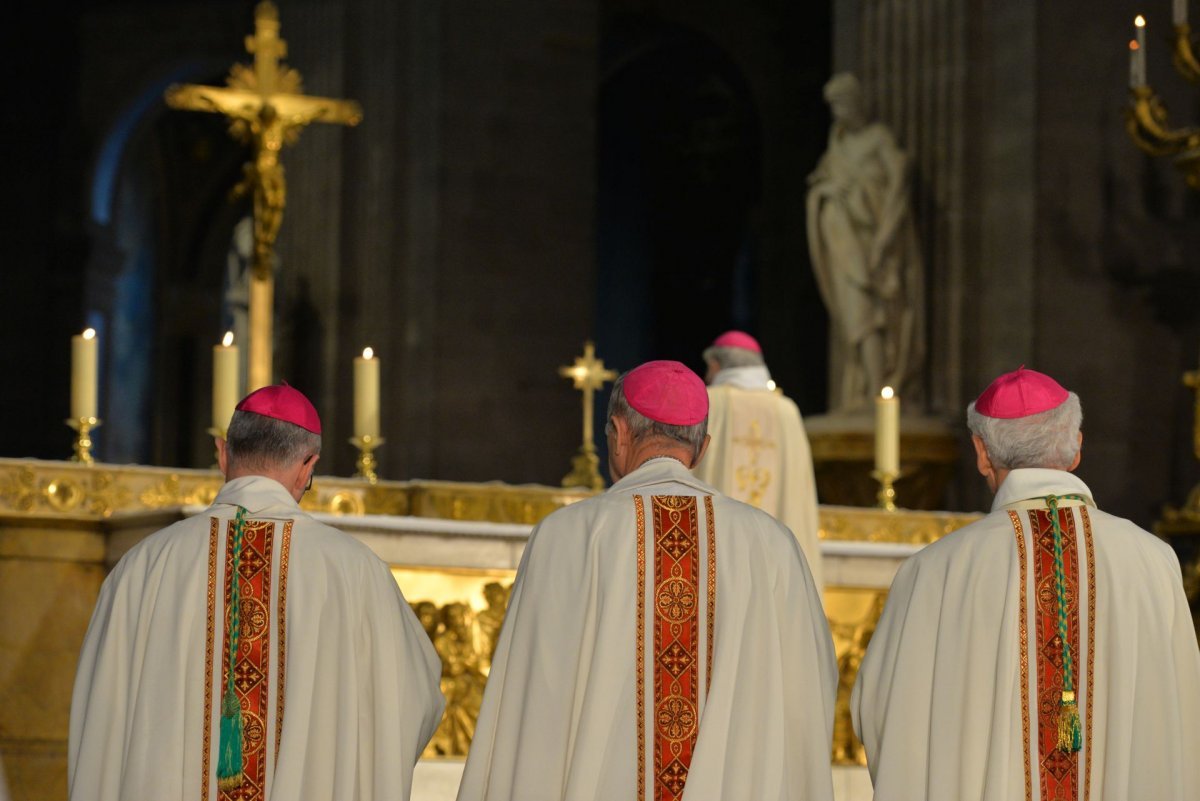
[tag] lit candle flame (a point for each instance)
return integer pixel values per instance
(887, 393)
(368, 353)
(770, 384)
(1139, 21)
(227, 340)
(89, 333)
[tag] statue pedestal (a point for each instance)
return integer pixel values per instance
(843, 449)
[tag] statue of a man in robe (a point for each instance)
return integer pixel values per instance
(865, 255)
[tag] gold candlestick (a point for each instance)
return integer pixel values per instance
(83, 438)
(366, 463)
(887, 489)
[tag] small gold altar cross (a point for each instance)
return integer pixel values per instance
(588, 374)
(267, 108)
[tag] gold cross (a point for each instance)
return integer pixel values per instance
(588, 375)
(755, 442)
(267, 109)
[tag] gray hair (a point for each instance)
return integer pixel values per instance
(842, 84)
(733, 357)
(256, 442)
(1048, 439)
(642, 427)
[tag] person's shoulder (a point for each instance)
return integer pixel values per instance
(750, 520)
(177, 546)
(1123, 539)
(310, 537)
(991, 533)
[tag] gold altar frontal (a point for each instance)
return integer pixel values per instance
(63, 525)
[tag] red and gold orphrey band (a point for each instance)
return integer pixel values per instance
(679, 594)
(252, 671)
(1058, 770)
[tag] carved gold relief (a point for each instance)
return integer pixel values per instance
(462, 611)
(853, 613)
(858, 524)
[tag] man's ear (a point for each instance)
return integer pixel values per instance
(1078, 455)
(306, 473)
(983, 462)
(222, 455)
(703, 450)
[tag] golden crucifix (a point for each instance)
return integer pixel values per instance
(267, 108)
(588, 374)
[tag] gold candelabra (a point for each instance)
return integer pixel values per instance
(83, 438)
(1146, 118)
(366, 463)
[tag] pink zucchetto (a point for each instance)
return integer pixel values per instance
(667, 392)
(283, 402)
(1020, 393)
(737, 339)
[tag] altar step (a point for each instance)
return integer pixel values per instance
(437, 780)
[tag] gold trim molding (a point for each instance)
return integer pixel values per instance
(904, 526)
(36, 488)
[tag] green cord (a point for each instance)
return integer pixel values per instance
(229, 756)
(1069, 734)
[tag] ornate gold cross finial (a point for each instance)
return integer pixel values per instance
(588, 375)
(267, 109)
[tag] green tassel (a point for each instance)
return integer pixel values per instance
(229, 753)
(1070, 736)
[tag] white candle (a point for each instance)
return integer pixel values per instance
(366, 395)
(1139, 53)
(1135, 78)
(1180, 12)
(83, 375)
(225, 382)
(887, 432)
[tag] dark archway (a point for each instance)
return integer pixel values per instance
(679, 175)
(161, 224)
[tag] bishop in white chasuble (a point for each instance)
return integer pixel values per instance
(759, 452)
(1043, 652)
(663, 641)
(251, 653)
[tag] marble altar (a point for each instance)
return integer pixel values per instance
(62, 527)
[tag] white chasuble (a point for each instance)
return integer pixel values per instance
(663, 643)
(961, 693)
(336, 680)
(759, 454)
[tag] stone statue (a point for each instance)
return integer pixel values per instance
(866, 256)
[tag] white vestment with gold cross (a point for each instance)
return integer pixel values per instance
(760, 455)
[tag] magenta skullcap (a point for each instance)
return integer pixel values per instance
(283, 402)
(737, 339)
(667, 392)
(1020, 393)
